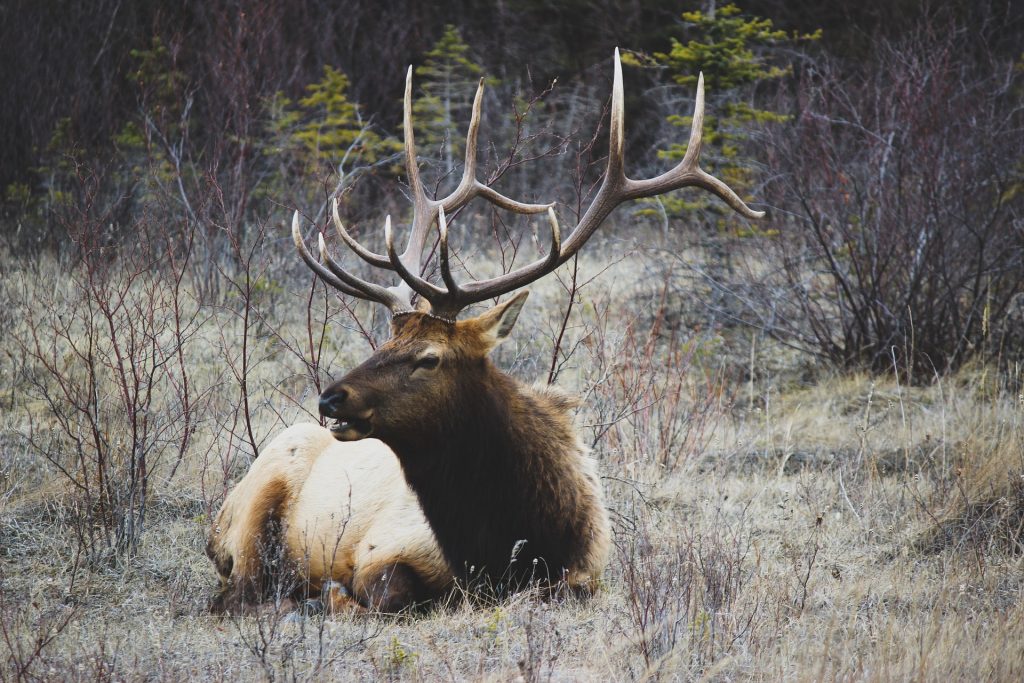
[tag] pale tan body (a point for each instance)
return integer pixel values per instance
(346, 513)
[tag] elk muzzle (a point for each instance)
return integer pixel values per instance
(351, 420)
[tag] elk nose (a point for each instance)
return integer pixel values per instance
(331, 401)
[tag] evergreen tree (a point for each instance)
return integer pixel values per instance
(448, 81)
(735, 52)
(325, 127)
(143, 141)
(324, 135)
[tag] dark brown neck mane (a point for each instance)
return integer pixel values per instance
(504, 484)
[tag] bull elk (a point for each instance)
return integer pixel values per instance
(496, 466)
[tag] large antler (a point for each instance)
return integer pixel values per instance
(425, 212)
(446, 302)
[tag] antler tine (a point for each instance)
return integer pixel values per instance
(339, 278)
(375, 260)
(411, 165)
(469, 168)
(503, 284)
(315, 265)
(470, 187)
(610, 193)
(615, 170)
(617, 188)
(688, 172)
(365, 290)
(459, 297)
(693, 146)
(416, 283)
(422, 209)
(446, 271)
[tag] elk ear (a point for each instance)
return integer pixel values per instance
(497, 323)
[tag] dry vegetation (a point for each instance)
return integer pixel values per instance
(771, 520)
(777, 513)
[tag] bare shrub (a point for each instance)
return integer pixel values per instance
(543, 644)
(104, 364)
(977, 508)
(292, 646)
(27, 631)
(899, 223)
(643, 397)
(682, 593)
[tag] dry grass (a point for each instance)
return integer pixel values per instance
(851, 528)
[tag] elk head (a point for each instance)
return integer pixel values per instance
(409, 387)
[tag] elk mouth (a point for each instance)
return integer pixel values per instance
(352, 428)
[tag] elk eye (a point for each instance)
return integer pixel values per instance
(428, 362)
